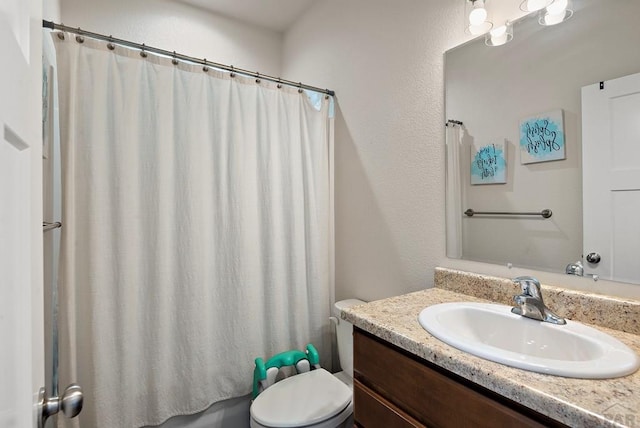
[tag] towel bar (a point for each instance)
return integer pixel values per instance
(546, 213)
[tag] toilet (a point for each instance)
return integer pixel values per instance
(315, 398)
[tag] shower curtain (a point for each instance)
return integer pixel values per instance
(454, 190)
(197, 231)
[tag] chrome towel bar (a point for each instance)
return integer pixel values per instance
(546, 213)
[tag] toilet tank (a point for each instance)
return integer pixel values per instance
(344, 332)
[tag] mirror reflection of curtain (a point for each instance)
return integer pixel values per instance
(454, 136)
(196, 212)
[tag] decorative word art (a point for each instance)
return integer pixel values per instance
(489, 163)
(542, 138)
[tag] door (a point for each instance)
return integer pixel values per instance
(21, 314)
(611, 178)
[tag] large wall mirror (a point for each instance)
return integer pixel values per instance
(495, 92)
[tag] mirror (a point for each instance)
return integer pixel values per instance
(492, 91)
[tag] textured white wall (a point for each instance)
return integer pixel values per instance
(385, 61)
(51, 10)
(172, 25)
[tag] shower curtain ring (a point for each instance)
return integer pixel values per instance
(174, 61)
(257, 78)
(232, 74)
(279, 83)
(110, 45)
(205, 68)
(79, 37)
(300, 87)
(143, 54)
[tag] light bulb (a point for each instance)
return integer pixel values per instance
(478, 14)
(550, 19)
(557, 7)
(499, 32)
(556, 13)
(500, 35)
(533, 5)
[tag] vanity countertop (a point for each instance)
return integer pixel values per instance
(574, 402)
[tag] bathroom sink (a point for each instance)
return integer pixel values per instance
(492, 332)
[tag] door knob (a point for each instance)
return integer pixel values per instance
(593, 258)
(70, 403)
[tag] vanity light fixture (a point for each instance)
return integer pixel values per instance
(500, 35)
(557, 12)
(534, 5)
(549, 12)
(477, 17)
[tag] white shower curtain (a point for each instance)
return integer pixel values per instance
(454, 190)
(196, 237)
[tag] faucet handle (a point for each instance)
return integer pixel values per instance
(530, 286)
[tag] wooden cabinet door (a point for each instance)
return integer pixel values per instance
(429, 395)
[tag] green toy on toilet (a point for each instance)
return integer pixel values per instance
(302, 361)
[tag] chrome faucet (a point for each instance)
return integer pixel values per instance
(530, 304)
(575, 269)
(578, 269)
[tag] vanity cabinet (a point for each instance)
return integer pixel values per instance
(393, 388)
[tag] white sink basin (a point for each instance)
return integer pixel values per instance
(494, 333)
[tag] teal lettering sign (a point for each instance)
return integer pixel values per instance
(488, 164)
(542, 138)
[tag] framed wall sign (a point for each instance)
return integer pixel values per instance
(489, 163)
(542, 137)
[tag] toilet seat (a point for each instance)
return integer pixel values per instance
(304, 400)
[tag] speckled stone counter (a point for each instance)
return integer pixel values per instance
(574, 402)
(606, 311)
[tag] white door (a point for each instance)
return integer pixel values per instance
(611, 178)
(21, 319)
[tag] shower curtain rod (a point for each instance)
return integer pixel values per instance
(52, 25)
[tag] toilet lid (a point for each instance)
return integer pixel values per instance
(300, 400)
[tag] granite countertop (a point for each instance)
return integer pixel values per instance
(574, 402)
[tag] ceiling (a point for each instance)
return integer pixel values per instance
(277, 15)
